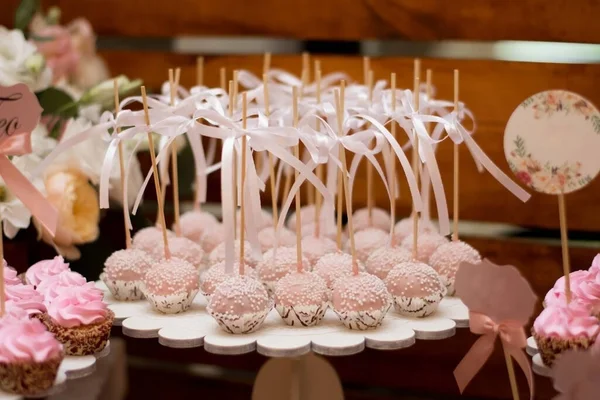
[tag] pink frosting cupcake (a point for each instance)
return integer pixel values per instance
(79, 319)
(588, 291)
(25, 297)
(50, 287)
(595, 267)
(29, 358)
(10, 275)
(560, 328)
(45, 269)
(13, 315)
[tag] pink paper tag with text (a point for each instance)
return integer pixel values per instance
(20, 113)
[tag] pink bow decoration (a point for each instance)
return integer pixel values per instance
(19, 114)
(513, 338)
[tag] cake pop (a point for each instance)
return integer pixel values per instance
(213, 236)
(327, 230)
(216, 274)
(333, 266)
(124, 271)
(301, 298)
(416, 287)
(313, 248)
(427, 244)
(307, 216)
(218, 254)
(380, 219)
(360, 301)
(240, 304)
(448, 257)
(267, 236)
(278, 263)
(367, 241)
(171, 285)
(183, 249)
(146, 239)
(194, 224)
(384, 259)
(262, 220)
(404, 228)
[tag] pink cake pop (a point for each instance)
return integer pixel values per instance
(314, 248)
(213, 236)
(360, 301)
(124, 271)
(218, 254)
(240, 304)
(194, 224)
(427, 244)
(146, 239)
(267, 236)
(171, 285)
(182, 248)
(404, 228)
(326, 230)
(301, 298)
(416, 287)
(307, 216)
(278, 263)
(216, 274)
(333, 266)
(381, 219)
(262, 220)
(384, 259)
(448, 257)
(367, 241)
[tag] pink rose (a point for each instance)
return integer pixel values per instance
(55, 43)
(524, 177)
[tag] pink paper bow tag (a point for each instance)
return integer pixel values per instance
(576, 375)
(20, 113)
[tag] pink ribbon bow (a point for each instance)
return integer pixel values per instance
(513, 338)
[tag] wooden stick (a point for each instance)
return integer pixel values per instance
(318, 198)
(266, 63)
(200, 71)
(366, 69)
(223, 78)
(456, 165)
(415, 159)
(511, 374)
(296, 178)
(393, 166)
(122, 167)
(272, 175)
(369, 83)
(564, 240)
(161, 209)
(340, 121)
(236, 74)
(242, 199)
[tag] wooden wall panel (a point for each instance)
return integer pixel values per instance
(556, 20)
(492, 89)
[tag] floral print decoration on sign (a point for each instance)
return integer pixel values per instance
(551, 142)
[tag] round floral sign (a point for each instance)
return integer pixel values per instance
(552, 142)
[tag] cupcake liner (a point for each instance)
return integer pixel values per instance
(417, 306)
(29, 377)
(81, 340)
(362, 320)
(245, 323)
(173, 303)
(123, 290)
(306, 315)
(449, 284)
(551, 347)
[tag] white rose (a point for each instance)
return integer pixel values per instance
(20, 62)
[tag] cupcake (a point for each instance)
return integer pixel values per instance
(44, 269)
(216, 274)
(360, 301)
(49, 288)
(79, 319)
(588, 292)
(416, 287)
(171, 286)
(29, 358)
(10, 275)
(240, 304)
(13, 315)
(447, 258)
(26, 298)
(278, 263)
(560, 328)
(557, 296)
(193, 224)
(384, 259)
(124, 271)
(181, 248)
(595, 267)
(380, 219)
(301, 298)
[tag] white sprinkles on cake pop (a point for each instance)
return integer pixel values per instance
(335, 265)
(384, 259)
(278, 263)
(213, 236)
(381, 219)
(216, 274)
(146, 239)
(124, 271)
(301, 298)
(448, 257)
(171, 285)
(267, 238)
(218, 254)
(427, 244)
(194, 224)
(182, 248)
(367, 241)
(404, 228)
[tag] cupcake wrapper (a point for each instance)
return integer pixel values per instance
(362, 320)
(245, 323)
(302, 315)
(123, 290)
(270, 286)
(417, 306)
(172, 304)
(80, 340)
(29, 378)
(550, 348)
(449, 284)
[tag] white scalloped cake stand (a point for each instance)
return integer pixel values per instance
(72, 367)
(537, 365)
(196, 327)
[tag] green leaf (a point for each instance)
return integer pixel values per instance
(57, 103)
(25, 13)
